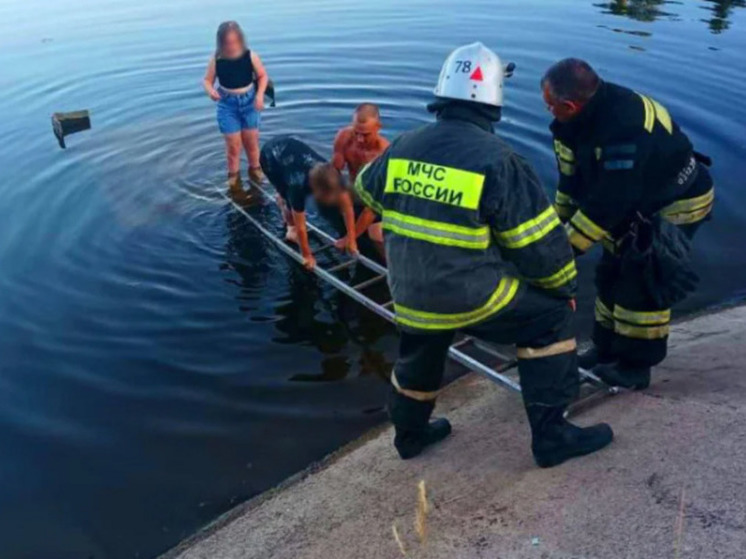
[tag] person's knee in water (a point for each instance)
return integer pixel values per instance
(239, 97)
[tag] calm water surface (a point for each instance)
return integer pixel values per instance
(158, 361)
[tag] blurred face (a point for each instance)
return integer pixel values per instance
(232, 45)
(365, 132)
(329, 192)
(563, 111)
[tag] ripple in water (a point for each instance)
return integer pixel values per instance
(160, 360)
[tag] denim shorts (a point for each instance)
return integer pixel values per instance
(237, 112)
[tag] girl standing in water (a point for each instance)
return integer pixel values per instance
(239, 97)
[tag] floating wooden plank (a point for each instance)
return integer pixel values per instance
(64, 124)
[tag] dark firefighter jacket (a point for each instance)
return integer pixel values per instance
(462, 212)
(623, 154)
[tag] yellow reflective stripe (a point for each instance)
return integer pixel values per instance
(641, 332)
(649, 113)
(563, 152)
(604, 316)
(564, 205)
(690, 217)
(577, 239)
(529, 231)
(365, 196)
(583, 224)
(642, 317)
(567, 169)
(437, 183)
(565, 346)
(474, 232)
(368, 200)
(689, 204)
(689, 210)
(655, 111)
(562, 199)
(436, 231)
(568, 273)
(419, 395)
(503, 295)
(662, 115)
(609, 244)
(565, 158)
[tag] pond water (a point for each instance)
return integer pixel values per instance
(159, 362)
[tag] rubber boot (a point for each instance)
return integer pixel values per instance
(634, 377)
(593, 356)
(414, 431)
(555, 440)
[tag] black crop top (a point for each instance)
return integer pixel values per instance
(235, 73)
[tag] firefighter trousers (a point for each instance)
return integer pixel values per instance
(629, 326)
(542, 328)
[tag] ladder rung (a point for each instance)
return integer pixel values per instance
(323, 248)
(386, 310)
(368, 282)
(341, 266)
(491, 350)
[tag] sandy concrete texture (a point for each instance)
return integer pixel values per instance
(673, 484)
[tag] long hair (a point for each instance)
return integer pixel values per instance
(223, 30)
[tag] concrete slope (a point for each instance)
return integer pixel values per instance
(673, 484)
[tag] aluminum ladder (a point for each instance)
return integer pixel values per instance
(476, 355)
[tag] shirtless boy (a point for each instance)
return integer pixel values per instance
(355, 146)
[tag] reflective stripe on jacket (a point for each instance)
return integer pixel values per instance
(624, 155)
(462, 213)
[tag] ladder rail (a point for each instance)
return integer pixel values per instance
(320, 272)
(382, 310)
(364, 260)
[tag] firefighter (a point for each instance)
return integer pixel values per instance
(474, 245)
(624, 163)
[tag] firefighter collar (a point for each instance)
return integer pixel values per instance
(483, 117)
(581, 122)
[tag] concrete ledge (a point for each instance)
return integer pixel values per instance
(673, 484)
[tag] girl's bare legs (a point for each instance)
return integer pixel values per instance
(250, 141)
(233, 155)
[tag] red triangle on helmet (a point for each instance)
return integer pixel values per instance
(477, 75)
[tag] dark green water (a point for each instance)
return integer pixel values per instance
(158, 361)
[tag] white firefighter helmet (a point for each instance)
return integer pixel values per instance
(472, 73)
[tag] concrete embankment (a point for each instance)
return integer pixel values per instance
(673, 484)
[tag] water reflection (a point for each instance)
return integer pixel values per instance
(721, 11)
(651, 10)
(308, 312)
(640, 10)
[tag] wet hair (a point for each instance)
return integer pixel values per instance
(366, 111)
(571, 79)
(323, 176)
(224, 29)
